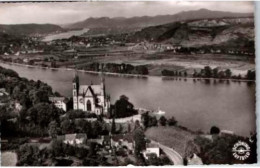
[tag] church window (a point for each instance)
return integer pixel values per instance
(88, 105)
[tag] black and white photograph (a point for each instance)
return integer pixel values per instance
(117, 83)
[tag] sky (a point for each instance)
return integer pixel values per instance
(70, 12)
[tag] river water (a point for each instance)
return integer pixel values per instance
(196, 105)
(65, 35)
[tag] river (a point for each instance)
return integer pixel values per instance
(65, 35)
(196, 105)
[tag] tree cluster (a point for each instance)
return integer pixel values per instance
(36, 113)
(117, 68)
(219, 150)
(151, 121)
(208, 72)
(123, 108)
(166, 72)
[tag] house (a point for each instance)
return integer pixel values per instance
(3, 92)
(18, 107)
(99, 141)
(226, 132)
(90, 98)
(26, 60)
(151, 148)
(4, 97)
(106, 141)
(124, 141)
(73, 139)
(59, 102)
(195, 160)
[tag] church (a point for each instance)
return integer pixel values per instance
(90, 98)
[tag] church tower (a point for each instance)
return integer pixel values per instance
(75, 91)
(106, 99)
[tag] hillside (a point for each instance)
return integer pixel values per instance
(146, 21)
(233, 33)
(29, 29)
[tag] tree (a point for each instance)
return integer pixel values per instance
(153, 160)
(185, 73)
(153, 121)
(163, 120)
(172, 121)
(96, 129)
(250, 75)
(39, 96)
(123, 108)
(208, 71)
(228, 73)
(65, 126)
(218, 151)
(58, 148)
(42, 114)
(28, 155)
(92, 149)
(215, 72)
(214, 130)
(87, 128)
(53, 129)
(190, 149)
(139, 139)
(145, 119)
(113, 127)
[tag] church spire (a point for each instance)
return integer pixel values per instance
(76, 77)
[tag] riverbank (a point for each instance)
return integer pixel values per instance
(125, 75)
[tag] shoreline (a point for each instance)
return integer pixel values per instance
(124, 75)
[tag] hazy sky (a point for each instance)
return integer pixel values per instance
(69, 12)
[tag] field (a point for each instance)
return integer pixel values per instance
(155, 62)
(172, 137)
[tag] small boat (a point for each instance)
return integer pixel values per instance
(159, 112)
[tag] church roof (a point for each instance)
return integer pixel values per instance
(95, 89)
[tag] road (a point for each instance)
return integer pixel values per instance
(174, 156)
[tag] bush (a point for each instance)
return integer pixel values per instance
(172, 121)
(163, 120)
(123, 108)
(214, 130)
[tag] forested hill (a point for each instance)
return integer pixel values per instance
(146, 21)
(30, 29)
(36, 111)
(227, 32)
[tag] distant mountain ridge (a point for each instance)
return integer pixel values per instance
(29, 29)
(231, 33)
(146, 21)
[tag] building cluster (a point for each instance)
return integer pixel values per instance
(123, 144)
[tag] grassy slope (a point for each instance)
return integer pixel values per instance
(173, 137)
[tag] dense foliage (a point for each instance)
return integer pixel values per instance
(117, 68)
(123, 108)
(151, 121)
(28, 111)
(219, 149)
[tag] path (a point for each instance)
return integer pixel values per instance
(174, 156)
